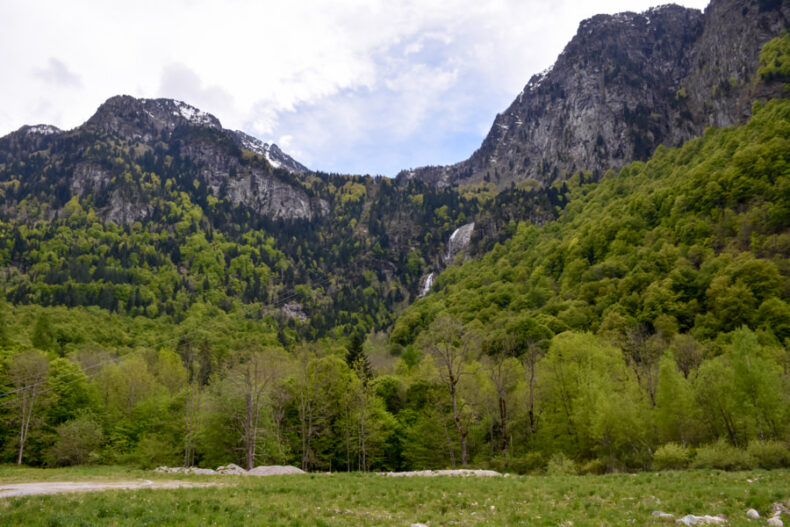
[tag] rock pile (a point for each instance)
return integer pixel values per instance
(274, 470)
(431, 473)
(233, 470)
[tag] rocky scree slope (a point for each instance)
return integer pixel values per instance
(623, 85)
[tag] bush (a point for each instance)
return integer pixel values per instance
(77, 441)
(769, 454)
(525, 464)
(723, 456)
(153, 451)
(560, 464)
(671, 456)
(595, 466)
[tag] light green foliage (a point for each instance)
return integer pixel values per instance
(671, 456)
(559, 465)
(677, 414)
(775, 59)
(770, 454)
(589, 400)
(723, 456)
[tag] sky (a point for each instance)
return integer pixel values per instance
(347, 86)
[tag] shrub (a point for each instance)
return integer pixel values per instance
(153, 451)
(671, 456)
(560, 464)
(77, 441)
(769, 454)
(595, 466)
(524, 464)
(723, 456)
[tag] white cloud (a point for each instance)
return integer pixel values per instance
(55, 72)
(368, 85)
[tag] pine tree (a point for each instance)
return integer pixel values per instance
(356, 358)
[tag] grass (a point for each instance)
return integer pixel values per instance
(365, 499)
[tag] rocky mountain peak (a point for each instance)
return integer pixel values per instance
(146, 119)
(276, 157)
(623, 85)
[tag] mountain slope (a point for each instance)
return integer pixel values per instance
(151, 207)
(695, 241)
(170, 138)
(623, 85)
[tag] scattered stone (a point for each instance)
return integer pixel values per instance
(778, 508)
(663, 515)
(419, 525)
(775, 521)
(274, 470)
(691, 519)
(233, 469)
(432, 473)
(200, 471)
(753, 514)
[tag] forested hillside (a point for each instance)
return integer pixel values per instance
(171, 298)
(97, 218)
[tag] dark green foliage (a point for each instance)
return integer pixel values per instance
(356, 358)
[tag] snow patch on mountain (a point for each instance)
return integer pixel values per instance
(42, 129)
(276, 157)
(192, 114)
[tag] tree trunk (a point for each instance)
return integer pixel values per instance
(458, 424)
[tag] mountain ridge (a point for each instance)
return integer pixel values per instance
(623, 85)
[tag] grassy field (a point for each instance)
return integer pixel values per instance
(366, 499)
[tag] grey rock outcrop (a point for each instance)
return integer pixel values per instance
(126, 128)
(146, 119)
(625, 84)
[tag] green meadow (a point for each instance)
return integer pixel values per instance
(369, 499)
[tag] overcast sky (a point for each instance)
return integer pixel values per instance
(351, 86)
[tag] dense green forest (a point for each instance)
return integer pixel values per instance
(353, 268)
(646, 326)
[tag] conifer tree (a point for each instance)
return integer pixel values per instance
(356, 358)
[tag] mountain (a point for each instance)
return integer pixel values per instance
(181, 300)
(151, 207)
(625, 84)
(79, 163)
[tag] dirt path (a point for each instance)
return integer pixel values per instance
(13, 490)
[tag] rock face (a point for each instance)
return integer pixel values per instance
(623, 85)
(88, 166)
(146, 119)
